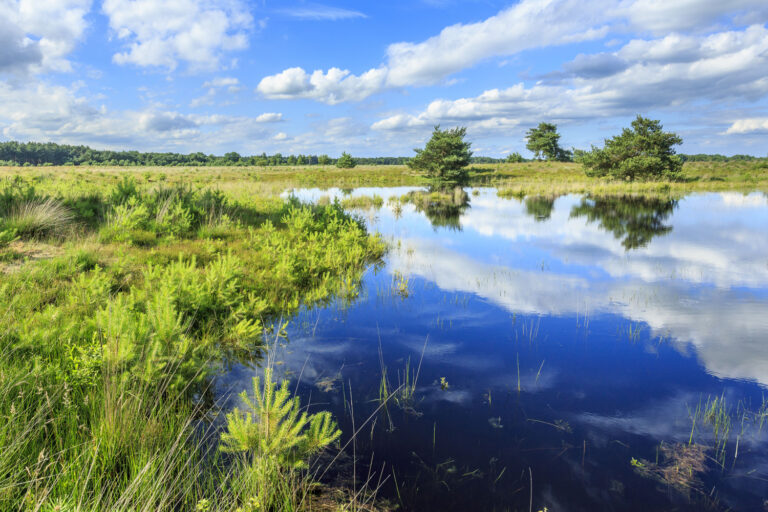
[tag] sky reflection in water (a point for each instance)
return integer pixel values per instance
(574, 336)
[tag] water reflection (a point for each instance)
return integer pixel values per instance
(635, 220)
(566, 353)
(442, 207)
(540, 207)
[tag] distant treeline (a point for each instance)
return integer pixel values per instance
(49, 153)
(701, 157)
(36, 153)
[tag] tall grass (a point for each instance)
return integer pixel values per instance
(107, 349)
(39, 217)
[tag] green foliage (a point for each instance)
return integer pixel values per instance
(276, 427)
(444, 158)
(642, 152)
(544, 141)
(515, 158)
(108, 347)
(345, 161)
(7, 236)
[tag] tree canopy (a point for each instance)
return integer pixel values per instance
(445, 158)
(544, 141)
(643, 151)
(345, 161)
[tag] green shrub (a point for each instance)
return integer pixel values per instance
(641, 152)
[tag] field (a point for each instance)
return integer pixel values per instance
(125, 290)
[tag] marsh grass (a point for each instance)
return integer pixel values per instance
(109, 342)
(38, 217)
(374, 202)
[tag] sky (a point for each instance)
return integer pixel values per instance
(374, 78)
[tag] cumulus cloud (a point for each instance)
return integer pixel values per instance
(722, 66)
(332, 87)
(45, 112)
(596, 66)
(528, 24)
(753, 125)
(166, 122)
(38, 38)
(161, 34)
(17, 52)
(663, 16)
(269, 117)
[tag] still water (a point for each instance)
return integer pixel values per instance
(573, 353)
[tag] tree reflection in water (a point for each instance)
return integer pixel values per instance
(635, 220)
(443, 207)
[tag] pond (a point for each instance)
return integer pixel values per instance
(574, 353)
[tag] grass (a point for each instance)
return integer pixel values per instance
(123, 293)
(550, 178)
(38, 218)
(141, 294)
(374, 202)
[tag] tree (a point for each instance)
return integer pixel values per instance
(323, 160)
(544, 141)
(445, 157)
(345, 161)
(515, 158)
(232, 157)
(641, 152)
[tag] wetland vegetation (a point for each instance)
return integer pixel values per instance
(133, 299)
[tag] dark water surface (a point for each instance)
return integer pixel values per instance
(576, 339)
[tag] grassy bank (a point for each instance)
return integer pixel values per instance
(529, 178)
(120, 298)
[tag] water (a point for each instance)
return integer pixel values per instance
(572, 337)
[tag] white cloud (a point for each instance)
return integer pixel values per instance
(38, 35)
(332, 87)
(756, 124)
(230, 84)
(723, 66)
(269, 117)
(529, 24)
(227, 81)
(45, 112)
(161, 34)
(664, 15)
(320, 12)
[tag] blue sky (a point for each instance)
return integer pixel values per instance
(373, 78)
